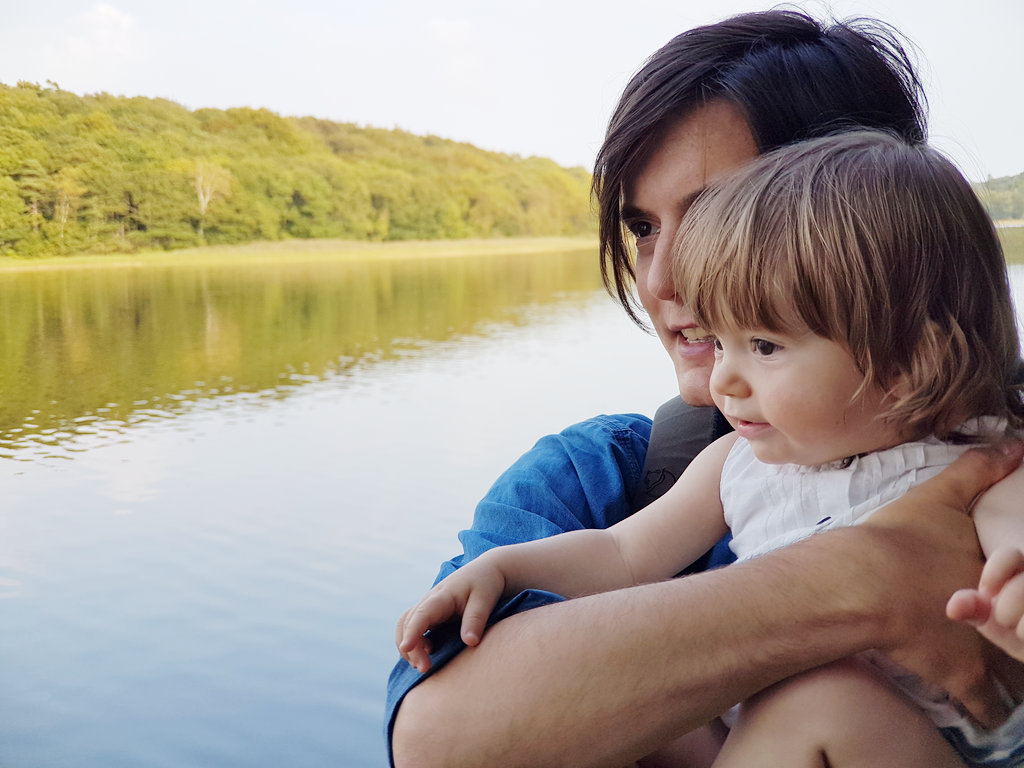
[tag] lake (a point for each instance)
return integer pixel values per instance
(222, 484)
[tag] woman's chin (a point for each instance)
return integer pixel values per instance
(695, 386)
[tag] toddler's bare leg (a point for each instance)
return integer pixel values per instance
(844, 715)
(697, 749)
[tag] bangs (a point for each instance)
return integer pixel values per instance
(739, 261)
(874, 244)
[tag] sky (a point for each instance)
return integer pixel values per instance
(534, 77)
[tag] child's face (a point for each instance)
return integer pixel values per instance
(792, 397)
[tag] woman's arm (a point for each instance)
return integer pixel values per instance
(606, 679)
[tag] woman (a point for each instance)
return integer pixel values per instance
(607, 679)
(838, 410)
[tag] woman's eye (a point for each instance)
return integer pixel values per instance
(763, 347)
(642, 229)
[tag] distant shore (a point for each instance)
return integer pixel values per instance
(314, 250)
(309, 250)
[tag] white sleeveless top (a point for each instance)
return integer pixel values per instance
(768, 506)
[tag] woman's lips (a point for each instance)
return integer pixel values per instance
(694, 342)
(696, 335)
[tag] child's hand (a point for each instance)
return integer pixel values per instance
(996, 607)
(471, 591)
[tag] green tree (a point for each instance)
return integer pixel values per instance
(211, 181)
(103, 173)
(68, 191)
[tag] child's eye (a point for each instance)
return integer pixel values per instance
(764, 347)
(718, 344)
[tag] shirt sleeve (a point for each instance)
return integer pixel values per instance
(584, 477)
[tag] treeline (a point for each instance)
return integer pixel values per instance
(102, 173)
(1003, 197)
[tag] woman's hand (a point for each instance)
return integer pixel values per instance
(929, 549)
(472, 592)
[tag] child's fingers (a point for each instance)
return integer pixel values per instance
(414, 648)
(419, 656)
(400, 628)
(968, 605)
(434, 609)
(474, 618)
(406, 635)
(1001, 565)
(1008, 605)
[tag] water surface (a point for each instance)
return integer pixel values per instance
(222, 485)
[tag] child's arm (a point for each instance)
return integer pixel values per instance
(653, 544)
(996, 607)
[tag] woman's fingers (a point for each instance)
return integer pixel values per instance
(978, 469)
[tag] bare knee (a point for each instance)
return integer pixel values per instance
(696, 749)
(820, 697)
(842, 714)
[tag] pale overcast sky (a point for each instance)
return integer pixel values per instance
(533, 77)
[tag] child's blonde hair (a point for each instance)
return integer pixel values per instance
(878, 245)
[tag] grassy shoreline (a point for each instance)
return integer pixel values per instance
(307, 251)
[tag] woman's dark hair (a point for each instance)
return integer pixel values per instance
(792, 78)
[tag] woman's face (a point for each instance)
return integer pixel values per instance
(711, 140)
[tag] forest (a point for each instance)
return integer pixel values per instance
(1003, 197)
(101, 173)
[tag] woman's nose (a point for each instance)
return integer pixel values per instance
(659, 277)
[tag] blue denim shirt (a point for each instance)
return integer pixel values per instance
(590, 475)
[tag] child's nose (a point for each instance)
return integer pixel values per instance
(727, 381)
